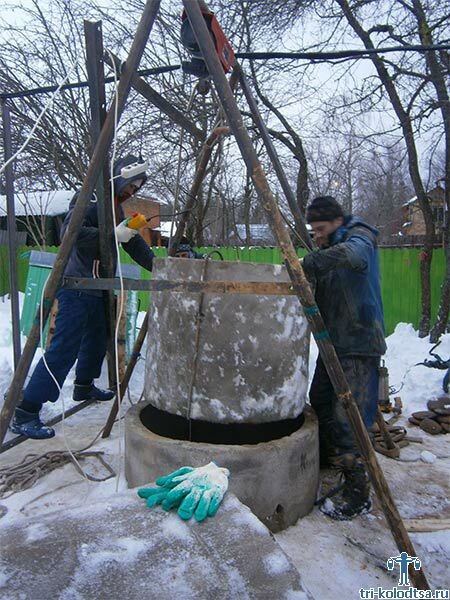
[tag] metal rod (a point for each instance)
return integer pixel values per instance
(316, 56)
(12, 235)
(97, 97)
(93, 172)
(18, 439)
(301, 286)
(289, 194)
(264, 288)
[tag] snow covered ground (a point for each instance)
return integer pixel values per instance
(335, 559)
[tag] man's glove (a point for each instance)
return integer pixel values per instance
(124, 233)
(197, 492)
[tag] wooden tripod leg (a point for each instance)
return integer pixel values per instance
(302, 288)
(126, 378)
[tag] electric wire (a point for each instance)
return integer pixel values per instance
(120, 312)
(122, 290)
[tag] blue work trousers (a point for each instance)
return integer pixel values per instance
(335, 431)
(80, 333)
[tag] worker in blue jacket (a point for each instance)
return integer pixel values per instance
(80, 328)
(346, 273)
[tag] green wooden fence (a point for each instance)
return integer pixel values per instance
(400, 276)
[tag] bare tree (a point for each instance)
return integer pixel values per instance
(403, 84)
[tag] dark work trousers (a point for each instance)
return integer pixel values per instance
(335, 432)
(80, 333)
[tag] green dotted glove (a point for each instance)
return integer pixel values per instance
(197, 492)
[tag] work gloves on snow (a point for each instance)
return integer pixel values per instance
(124, 233)
(195, 491)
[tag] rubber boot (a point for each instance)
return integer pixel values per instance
(29, 424)
(353, 498)
(91, 392)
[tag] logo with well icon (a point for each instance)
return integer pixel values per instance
(403, 560)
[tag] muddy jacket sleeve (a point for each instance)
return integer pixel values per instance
(354, 253)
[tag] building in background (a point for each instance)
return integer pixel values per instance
(258, 234)
(39, 216)
(413, 227)
(152, 210)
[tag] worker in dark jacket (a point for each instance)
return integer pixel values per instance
(80, 328)
(347, 278)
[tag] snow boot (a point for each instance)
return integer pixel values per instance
(29, 424)
(353, 498)
(82, 392)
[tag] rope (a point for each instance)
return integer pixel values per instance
(25, 474)
(197, 344)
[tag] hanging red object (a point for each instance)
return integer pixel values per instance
(223, 46)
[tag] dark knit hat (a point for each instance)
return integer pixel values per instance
(323, 208)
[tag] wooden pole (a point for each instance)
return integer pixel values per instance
(97, 98)
(301, 286)
(12, 233)
(203, 160)
(93, 172)
(18, 439)
(122, 301)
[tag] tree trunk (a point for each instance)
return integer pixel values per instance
(404, 118)
(444, 304)
(438, 80)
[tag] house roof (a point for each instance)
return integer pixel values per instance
(411, 201)
(435, 193)
(166, 227)
(49, 202)
(258, 232)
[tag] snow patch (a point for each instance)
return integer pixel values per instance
(121, 550)
(36, 532)
(427, 457)
(276, 563)
(174, 527)
(248, 519)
